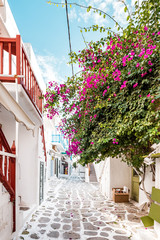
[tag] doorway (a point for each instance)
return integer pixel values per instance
(41, 185)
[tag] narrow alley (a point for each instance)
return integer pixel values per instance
(77, 210)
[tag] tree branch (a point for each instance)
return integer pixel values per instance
(96, 9)
(100, 28)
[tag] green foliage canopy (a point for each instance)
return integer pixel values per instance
(112, 107)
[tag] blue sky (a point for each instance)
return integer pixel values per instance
(45, 27)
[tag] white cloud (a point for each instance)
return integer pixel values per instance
(85, 15)
(112, 7)
(50, 67)
(91, 17)
(119, 13)
(98, 2)
(72, 14)
(99, 19)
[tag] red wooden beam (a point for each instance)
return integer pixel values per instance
(0, 155)
(7, 39)
(7, 186)
(10, 58)
(4, 142)
(1, 57)
(7, 79)
(18, 56)
(13, 184)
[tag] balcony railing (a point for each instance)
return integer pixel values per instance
(58, 138)
(15, 64)
(8, 169)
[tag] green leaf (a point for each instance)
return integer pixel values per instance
(125, 9)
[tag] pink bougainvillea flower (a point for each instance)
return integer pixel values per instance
(149, 95)
(95, 116)
(149, 62)
(107, 87)
(145, 56)
(152, 100)
(150, 70)
(92, 142)
(109, 99)
(143, 74)
(137, 65)
(158, 33)
(114, 94)
(135, 85)
(140, 95)
(145, 28)
(129, 73)
(114, 141)
(104, 92)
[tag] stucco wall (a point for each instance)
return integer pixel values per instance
(5, 215)
(102, 170)
(9, 28)
(28, 166)
(112, 173)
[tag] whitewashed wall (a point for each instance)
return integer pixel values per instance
(120, 174)
(9, 28)
(6, 216)
(112, 173)
(28, 166)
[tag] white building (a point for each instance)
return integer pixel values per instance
(22, 166)
(58, 163)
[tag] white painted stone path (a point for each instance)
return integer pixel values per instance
(77, 210)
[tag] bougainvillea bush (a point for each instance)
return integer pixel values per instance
(111, 107)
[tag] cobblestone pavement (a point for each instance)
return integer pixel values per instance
(77, 210)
